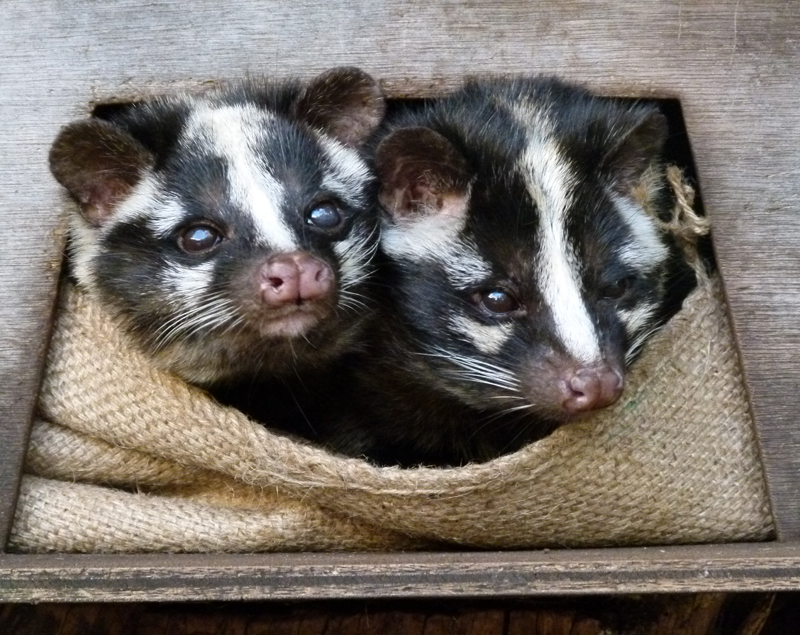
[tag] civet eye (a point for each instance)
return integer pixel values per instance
(498, 301)
(198, 239)
(617, 289)
(324, 215)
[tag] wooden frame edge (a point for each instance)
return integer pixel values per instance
(677, 569)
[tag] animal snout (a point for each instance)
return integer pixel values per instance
(294, 278)
(590, 387)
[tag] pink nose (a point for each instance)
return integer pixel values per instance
(294, 278)
(590, 388)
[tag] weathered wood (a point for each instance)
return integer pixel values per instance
(733, 63)
(758, 616)
(740, 567)
(633, 615)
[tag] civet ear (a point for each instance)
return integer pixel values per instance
(421, 174)
(99, 165)
(344, 102)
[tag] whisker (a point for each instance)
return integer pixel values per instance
(214, 312)
(478, 368)
(639, 342)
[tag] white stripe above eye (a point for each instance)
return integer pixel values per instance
(464, 266)
(348, 173)
(549, 181)
(166, 216)
(234, 133)
(645, 250)
(422, 238)
(143, 199)
(436, 239)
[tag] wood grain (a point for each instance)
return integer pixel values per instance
(705, 614)
(733, 63)
(95, 578)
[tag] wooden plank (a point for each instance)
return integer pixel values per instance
(700, 614)
(96, 578)
(734, 64)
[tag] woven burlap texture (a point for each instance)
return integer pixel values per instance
(197, 510)
(675, 461)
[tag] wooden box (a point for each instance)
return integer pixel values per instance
(733, 64)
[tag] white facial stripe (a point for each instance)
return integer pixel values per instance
(436, 239)
(233, 133)
(464, 267)
(166, 216)
(85, 239)
(422, 238)
(646, 249)
(349, 171)
(487, 339)
(548, 180)
(189, 283)
(84, 248)
(140, 203)
(637, 318)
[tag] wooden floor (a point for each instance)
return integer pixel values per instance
(701, 614)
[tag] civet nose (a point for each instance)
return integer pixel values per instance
(294, 278)
(589, 388)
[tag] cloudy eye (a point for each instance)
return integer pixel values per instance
(616, 289)
(324, 216)
(498, 302)
(198, 239)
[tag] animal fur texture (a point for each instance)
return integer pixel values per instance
(233, 232)
(523, 269)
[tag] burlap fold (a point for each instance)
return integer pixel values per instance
(675, 461)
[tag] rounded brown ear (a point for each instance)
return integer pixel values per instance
(344, 102)
(99, 164)
(421, 173)
(637, 148)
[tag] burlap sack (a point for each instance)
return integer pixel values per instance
(197, 510)
(675, 461)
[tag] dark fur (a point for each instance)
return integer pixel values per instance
(100, 161)
(402, 406)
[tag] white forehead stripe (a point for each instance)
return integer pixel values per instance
(645, 249)
(436, 239)
(548, 180)
(166, 216)
(233, 133)
(464, 266)
(421, 238)
(140, 203)
(488, 339)
(349, 172)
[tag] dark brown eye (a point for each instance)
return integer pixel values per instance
(199, 238)
(617, 289)
(324, 215)
(498, 302)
